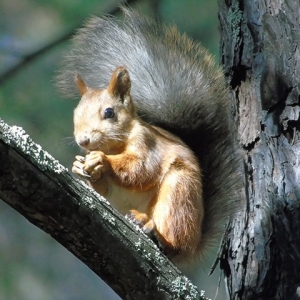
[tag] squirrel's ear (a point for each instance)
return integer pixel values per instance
(120, 83)
(82, 88)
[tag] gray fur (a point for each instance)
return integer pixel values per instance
(175, 85)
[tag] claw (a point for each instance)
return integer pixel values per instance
(80, 158)
(85, 174)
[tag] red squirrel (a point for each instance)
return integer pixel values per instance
(142, 170)
(158, 131)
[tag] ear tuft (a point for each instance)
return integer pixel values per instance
(82, 88)
(120, 83)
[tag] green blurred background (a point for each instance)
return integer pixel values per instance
(32, 265)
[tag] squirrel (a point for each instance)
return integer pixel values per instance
(156, 123)
(145, 172)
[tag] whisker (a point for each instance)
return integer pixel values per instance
(69, 141)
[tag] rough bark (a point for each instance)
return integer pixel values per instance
(43, 191)
(261, 57)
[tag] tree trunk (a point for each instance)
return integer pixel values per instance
(261, 57)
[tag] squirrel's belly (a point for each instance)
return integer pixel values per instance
(124, 199)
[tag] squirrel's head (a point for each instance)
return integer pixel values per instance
(104, 117)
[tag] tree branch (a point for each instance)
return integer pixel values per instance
(39, 52)
(42, 190)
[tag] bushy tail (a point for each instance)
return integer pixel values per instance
(175, 85)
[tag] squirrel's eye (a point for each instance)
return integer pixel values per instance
(109, 113)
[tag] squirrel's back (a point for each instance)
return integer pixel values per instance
(175, 85)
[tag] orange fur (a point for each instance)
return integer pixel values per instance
(141, 169)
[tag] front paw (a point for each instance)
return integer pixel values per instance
(90, 167)
(95, 164)
(78, 167)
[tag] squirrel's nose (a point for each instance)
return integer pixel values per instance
(83, 140)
